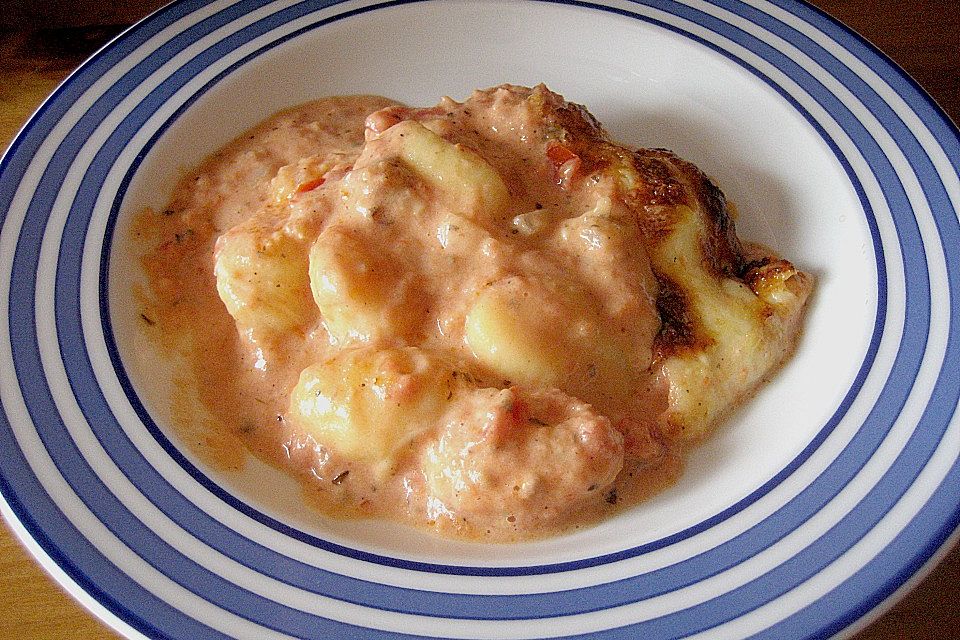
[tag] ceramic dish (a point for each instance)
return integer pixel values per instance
(802, 517)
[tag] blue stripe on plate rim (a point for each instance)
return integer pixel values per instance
(881, 271)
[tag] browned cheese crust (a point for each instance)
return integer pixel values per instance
(703, 270)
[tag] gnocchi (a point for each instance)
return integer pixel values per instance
(466, 181)
(510, 459)
(368, 404)
(358, 292)
(261, 275)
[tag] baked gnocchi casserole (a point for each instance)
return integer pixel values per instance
(484, 318)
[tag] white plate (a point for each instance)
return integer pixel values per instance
(804, 513)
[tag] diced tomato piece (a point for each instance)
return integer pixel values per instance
(310, 185)
(565, 162)
(559, 154)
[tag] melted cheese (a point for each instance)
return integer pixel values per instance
(744, 334)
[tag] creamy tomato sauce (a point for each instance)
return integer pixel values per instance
(443, 316)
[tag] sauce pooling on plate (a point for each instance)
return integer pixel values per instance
(482, 318)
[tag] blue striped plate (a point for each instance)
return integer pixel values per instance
(805, 515)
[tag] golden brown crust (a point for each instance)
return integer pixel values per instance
(669, 181)
(680, 330)
(666, 183)
(662, 189)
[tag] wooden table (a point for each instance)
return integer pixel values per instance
(923, 36)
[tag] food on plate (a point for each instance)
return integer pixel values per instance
(485, 317)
